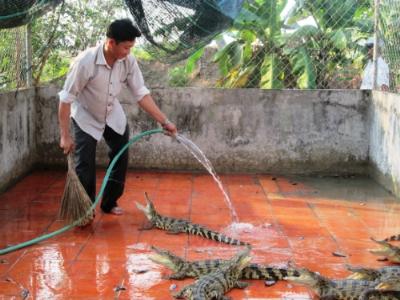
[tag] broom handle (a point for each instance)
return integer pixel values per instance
(71, 162)
(99, 195)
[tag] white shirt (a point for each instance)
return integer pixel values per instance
(382, 74)
(92, 86)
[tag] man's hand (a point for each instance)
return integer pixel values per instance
(170, 128)
(66, 141)
(67, 144)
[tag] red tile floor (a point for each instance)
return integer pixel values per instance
(286, 219)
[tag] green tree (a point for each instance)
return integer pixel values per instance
(318, 53)
(71, 28)
(271, 50)
(254, 58)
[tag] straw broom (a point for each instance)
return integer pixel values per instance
(75, 202)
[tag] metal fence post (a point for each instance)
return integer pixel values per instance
(376, 45)
(28, 49)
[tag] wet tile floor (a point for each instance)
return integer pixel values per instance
(286, 219)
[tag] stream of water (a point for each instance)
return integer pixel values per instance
(199, 155)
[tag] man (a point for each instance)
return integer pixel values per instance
(89, 99)
(382, 74)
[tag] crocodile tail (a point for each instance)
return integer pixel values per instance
(392, 238)
(196, 229)
(228, 240)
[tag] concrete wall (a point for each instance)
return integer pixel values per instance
(249, 130)
(17, 135)
(385, 140)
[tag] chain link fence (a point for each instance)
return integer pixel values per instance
(46, 35)
(310, 44)
(13, 58)
(281, 44)
(389, 39)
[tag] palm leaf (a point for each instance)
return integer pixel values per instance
(303, 68)
(271, 72)
(192, 60)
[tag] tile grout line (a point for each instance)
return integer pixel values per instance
(332, 235)
(192, 179)
(275, 220)
(25, 251)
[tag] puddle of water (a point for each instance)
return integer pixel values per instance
(199, 155)
(240, 227)
(250, 230)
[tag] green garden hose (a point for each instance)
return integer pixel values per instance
(99, 195)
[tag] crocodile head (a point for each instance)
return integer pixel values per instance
(387, 250)
(149, 209)
(389, 284)
(237, 263)
(306, 277)
(360, 273)
(166, 258)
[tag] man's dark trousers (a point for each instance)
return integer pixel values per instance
(85, 161)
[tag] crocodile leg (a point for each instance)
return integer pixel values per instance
(241, 284)
(147, 226)
(177, 275)
(184, 292)
(173, 232)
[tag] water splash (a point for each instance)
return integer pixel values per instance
(199, 155)
(240, 227)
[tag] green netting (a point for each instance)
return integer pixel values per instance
(389, 37)
(15, 13)
(265, 44)
(42, 50)
(269, 44)
(176, 28)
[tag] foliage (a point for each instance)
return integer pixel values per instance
(178, 77)
(271, 50)
(8, 45)
(181, 76)
(71, 28)
(141, 53)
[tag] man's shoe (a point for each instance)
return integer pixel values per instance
(117, 211)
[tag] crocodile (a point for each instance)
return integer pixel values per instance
(391, 252)
(328, 289)
(392, 238)
(389, 283)
(387, 288)
(361, 273)
(215, 284)
(183, 269)
(175, 226)
(380, 295)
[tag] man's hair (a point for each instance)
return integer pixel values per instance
(122, 30)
